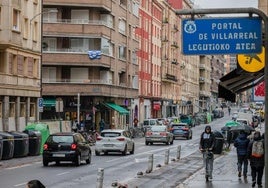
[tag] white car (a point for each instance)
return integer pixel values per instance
(114, 140)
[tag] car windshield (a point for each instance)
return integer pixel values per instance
(158, 128)
(60, 139)
(110, 134)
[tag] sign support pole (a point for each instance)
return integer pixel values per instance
(264, 18)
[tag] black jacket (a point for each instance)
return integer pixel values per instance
(255, 161)
(207, 140)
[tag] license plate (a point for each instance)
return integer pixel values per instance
(108, 145)
(58, 155)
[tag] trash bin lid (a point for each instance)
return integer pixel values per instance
(32, 133)
(6, 135)
(18, 134)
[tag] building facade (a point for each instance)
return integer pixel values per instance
(20, 55)
(90, 67)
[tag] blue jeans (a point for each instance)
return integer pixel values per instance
(242, 164)
(208, 163)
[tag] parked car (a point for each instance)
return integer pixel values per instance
(187, 119)
(66, 146)
(182, 130)
(159, 134)
(114, 140)
(234, 115)
(149, 122)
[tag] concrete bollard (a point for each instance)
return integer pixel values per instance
(166, 157)
(150, 163)
(179, 152)
(100, 178)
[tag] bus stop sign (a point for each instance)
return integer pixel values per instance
(239, 35)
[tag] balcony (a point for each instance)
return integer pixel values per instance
(174, 62)
(174, 45)
(170, 77)
(75, 58)
(202, 80)
(82, 27)
(88, 89)
(103, 4)
(165, 20)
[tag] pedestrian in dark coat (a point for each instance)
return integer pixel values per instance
(241, 143)
(206, 145)
(256, 163)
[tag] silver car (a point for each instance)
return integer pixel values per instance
(114, 140)
(158, 134)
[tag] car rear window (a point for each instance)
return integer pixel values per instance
(59, 139)
(178, 126)
(110, 134)
(158, 128)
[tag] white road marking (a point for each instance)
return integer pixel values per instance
(60, 174)
(21, 184)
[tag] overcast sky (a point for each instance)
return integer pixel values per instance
(226, 3)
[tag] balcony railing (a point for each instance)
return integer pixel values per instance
(78, 21)
(77, 81)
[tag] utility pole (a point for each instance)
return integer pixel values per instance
(264, 18)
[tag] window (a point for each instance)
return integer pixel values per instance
(135, 8)
(22, 109)
(122, 26)
(32, 109)
(35, 68)
(12, 109)
(35, 31)
(16, 19)
(25, 28)
(25, 65)
(122, 50)
(108, 20)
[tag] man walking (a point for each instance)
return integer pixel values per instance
(207, 142)
(256, 157)
(241, 144)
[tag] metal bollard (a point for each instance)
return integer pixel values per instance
(166, 157)
(179, 152)
(150, 163)
(100, 178)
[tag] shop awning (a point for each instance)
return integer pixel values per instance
(49, 102)
(117, 108)
(238, 81)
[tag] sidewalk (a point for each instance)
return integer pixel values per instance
(224, 175)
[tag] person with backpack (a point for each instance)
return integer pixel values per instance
(256, 156)
(207, 143)
(241, 143)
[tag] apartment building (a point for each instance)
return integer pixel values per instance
(217, 71)
(20, 54)
(171, 59)
(204, 82)
(149, 58)
(189, 103)
(90, 67)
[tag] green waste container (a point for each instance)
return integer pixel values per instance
(44, 130)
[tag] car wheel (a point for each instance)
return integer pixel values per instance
(57, 162)
(78, 160)
(106, 153)
(45, 162)
(171, 142)
(125, 151)
(146, 143)
(167, 143)
(174, 138)
(133, 149)
(88, 160)
(97, 153)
